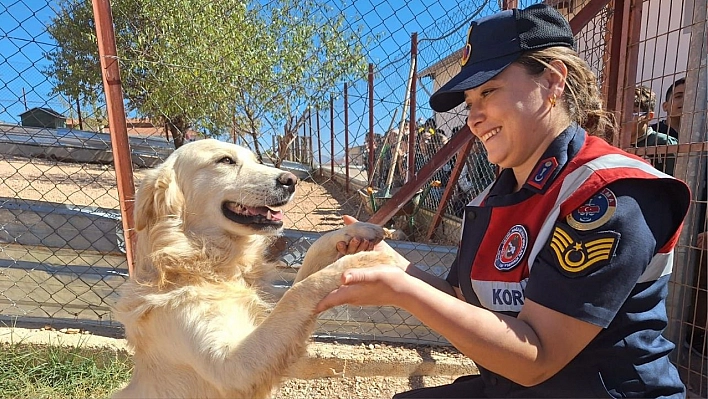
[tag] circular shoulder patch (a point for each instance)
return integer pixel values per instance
(594, 212)
(512, 248)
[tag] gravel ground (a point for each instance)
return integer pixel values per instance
(358, 385)
(355, 387)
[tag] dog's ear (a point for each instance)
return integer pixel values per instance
(158, 197)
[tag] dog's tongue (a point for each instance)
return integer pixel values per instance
(270, 214)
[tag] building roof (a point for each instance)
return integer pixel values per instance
(45, 110)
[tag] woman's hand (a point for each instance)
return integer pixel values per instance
(372, 286)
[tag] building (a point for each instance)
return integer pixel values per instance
(43, 117)
(139, 127)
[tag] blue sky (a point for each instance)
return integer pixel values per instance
(23, 40)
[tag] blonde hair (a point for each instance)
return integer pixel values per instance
(582, 97)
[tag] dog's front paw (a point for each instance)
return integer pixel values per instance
(323, 252)
(361, 230)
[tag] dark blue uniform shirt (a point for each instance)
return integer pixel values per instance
(628, 358)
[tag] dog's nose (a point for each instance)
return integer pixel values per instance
(288, 180)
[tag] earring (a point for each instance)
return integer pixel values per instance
(553, 101)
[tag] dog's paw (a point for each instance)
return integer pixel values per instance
(361, 230)
(323, 252)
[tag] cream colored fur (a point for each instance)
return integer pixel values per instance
(195, 309)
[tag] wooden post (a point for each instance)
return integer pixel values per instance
(617, 61)
(123, 165)
(450, 188)
(412, 125)
(402, 196)
(394, 154)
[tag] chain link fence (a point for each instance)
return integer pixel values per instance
(330, 90)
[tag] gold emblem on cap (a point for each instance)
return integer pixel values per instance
(467, 51)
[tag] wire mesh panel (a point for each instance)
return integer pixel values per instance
(60, 237)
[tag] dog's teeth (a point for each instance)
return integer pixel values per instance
(269, 215)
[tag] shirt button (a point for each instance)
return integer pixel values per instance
(471, 215)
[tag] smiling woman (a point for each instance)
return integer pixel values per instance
(560, 280)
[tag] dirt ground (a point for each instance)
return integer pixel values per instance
(318, 207)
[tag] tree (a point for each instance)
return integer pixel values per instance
(233, 66)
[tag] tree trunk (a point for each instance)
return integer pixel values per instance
(256, 147)
(177, 127)
(290, 136)
(284, 144)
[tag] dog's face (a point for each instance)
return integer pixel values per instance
(212, 185)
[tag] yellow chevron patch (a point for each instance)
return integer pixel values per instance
(578, 256)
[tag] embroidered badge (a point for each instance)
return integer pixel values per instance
(512, 248)
(578, 256)
(467, 51)
(543, 172)
(594, 212)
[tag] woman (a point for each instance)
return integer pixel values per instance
(559, 285)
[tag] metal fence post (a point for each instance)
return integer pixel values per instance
(372, 152)
(116, 120)
(346, 135)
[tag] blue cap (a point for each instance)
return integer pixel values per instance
(496, 41)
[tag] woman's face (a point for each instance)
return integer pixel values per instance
(511, 115)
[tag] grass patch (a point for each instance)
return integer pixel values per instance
(54, 371)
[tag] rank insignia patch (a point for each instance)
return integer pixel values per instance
(543, 172)
(594, 212)
(578, 256)
(512, 248)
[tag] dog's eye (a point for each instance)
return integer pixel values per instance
(227, 160)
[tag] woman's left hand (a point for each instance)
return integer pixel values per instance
(371, 286)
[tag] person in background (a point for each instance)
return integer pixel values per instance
(673, 106)
(561, 276)
(644, 136)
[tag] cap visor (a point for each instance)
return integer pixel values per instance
(451, 94)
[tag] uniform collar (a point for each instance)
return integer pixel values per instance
(561, 150)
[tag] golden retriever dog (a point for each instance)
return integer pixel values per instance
(195, 309)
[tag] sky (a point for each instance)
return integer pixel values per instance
(23, 40)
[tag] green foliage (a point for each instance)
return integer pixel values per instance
(31, 371)
(225, 66)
